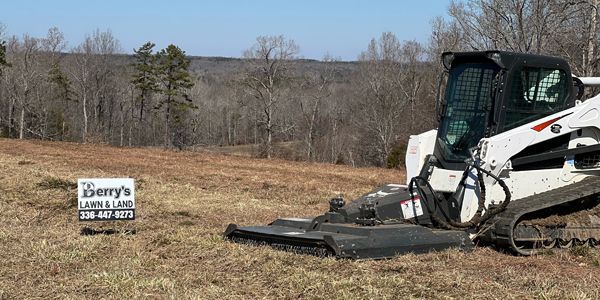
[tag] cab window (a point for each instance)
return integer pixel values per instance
(535, 93)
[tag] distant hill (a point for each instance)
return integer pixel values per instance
(223, 67)
(216, 67)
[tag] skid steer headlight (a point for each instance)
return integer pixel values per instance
(484, 148)
(447, 58)
(496, 57)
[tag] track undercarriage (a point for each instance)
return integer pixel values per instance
(561, 218)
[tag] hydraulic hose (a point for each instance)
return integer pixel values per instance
(479, 217)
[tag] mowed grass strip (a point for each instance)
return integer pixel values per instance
(184, 202)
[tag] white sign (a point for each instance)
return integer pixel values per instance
(411, 208)
(105, 199)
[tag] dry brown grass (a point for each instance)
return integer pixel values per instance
(185, 200)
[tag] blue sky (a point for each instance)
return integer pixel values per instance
(226, 28)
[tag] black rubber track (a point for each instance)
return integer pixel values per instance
(502, 225)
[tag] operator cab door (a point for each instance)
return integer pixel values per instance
(464, 120)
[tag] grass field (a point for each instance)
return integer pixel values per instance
(184, 202)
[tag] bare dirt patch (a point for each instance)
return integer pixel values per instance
(185, 200)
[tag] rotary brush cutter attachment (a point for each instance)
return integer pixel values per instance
(348, 240)
(378, 225)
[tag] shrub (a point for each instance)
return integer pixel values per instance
(396, 157)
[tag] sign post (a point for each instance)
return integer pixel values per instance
(106, 199)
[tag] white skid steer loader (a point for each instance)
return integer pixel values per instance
(514, 163)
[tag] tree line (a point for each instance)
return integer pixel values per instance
(359, 113)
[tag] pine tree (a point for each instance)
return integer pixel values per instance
(175, 81)
(57, 77)
(144, 78)
(65, 95)
(3, 62)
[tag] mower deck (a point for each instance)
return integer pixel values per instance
(347, 240)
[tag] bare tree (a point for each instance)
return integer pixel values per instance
(93, 72)
(315, 89)
(412, 78)
(25, 74)
(82, 74)
(379, 111)
(590, 60)
(3, 79)
(531, 26)
(105, 46)
(445, 36)
(517, 25)
(269, 66)
(54, 43)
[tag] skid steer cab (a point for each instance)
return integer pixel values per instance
(513, 163)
